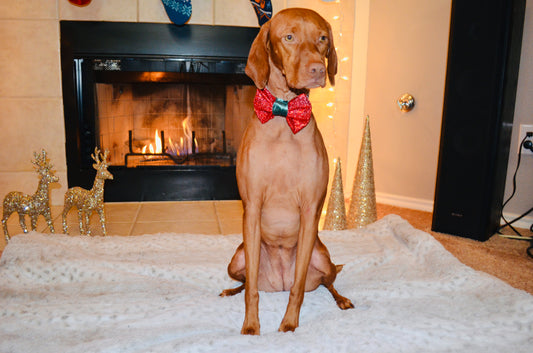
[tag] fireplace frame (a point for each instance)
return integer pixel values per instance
(160, 42)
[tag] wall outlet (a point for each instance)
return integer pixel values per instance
(524, 129)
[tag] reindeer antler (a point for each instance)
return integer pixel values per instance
(99, 158)
(96, 156)
(104, 157)
(41, 162)
(39, 158)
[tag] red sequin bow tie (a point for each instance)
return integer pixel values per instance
(297, 110)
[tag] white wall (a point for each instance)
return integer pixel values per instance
(406, 53)
(401, 46)
(523, 200)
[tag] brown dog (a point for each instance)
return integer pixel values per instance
(282, 169)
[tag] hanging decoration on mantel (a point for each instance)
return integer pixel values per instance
(363, 204)
(178, 11)
(32, 205)
(336, 213)
(80, 2)
(263, 10)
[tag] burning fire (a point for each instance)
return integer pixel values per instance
(187, 131)
(185, 145)
(158, 145)
(183, 148)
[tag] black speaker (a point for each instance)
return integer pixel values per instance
(481, 79)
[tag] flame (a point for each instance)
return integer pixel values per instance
(158, 145)
(173, 148)
(187, 131)
(184, 147)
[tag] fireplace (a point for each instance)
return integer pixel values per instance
(170, 104)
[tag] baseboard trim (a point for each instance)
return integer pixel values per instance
(405, 202)
(523, 223)
(427, 205)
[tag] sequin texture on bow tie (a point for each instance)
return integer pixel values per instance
(297, 111)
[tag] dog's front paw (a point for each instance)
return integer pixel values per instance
(250, 329)
(287, 326)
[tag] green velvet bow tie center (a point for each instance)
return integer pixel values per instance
(280, 107)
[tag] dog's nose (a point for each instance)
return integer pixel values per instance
(317, 70)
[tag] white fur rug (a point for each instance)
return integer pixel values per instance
(159, 293)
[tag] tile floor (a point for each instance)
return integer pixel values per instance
(137, 218)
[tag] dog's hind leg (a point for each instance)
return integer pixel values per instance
(237, 271)
(323, 267)
(342, 302)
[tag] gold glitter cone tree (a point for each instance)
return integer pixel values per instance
(363, 205)
(336, 213)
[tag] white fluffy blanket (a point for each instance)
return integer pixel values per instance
(159, 293)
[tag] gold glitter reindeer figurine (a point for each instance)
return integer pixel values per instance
(88, 201)
(32, 205)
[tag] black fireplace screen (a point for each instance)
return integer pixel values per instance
(169, 103)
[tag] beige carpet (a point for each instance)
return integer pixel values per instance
(503, 258)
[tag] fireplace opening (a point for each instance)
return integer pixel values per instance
(170, 104)
(151, 124)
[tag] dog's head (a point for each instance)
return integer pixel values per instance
(297, 42)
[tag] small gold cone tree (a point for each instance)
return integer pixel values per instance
(336, 213)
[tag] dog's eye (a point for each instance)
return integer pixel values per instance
(323, 38)
(289, 38)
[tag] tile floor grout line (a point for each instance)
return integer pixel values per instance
(134, 222)
(219, 225)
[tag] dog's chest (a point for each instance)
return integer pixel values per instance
(285, 159)
(273, 159)
(289, 168)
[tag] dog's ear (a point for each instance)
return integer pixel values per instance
(332, 58)
(257, 67)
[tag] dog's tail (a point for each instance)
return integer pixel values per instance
(339, 268)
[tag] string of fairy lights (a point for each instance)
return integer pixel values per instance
(333, 119)
(337, 22)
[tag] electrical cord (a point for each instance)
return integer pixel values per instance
(529, 250)
(509, 223)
